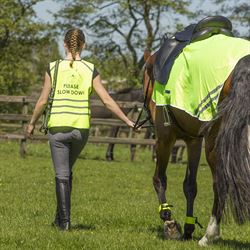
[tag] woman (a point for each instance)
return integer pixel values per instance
(69, 82)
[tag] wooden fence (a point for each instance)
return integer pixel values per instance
(19, 121)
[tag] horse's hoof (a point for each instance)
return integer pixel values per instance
(172, 230)
(187, 236)
(109, 158)
(206, 241)
(188, 231)
(212, 233)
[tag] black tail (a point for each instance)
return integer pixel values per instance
(233, 145)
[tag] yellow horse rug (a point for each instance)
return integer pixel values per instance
(198, 75)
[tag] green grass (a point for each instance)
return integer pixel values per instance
(114, 205)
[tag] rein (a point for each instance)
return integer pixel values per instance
(138, 123)
(168, 116)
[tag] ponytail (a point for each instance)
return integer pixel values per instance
(74, 39)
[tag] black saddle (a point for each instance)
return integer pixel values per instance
(173, 46)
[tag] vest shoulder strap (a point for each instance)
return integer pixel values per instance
(46, 114)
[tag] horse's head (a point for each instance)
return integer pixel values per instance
(148, 79)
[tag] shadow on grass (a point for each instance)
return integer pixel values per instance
(225, 244)
(94, 158)
(82, 227)
(235, 244)
(185, 163)
(98, 158)
(160, 234)
(159, 231)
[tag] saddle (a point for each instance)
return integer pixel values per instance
(173, 46)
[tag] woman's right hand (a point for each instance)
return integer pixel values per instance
(30, 130)
(109, 102)
(130, 123)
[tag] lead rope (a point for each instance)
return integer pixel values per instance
(139, 124)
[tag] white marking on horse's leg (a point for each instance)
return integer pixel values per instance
(212, 233)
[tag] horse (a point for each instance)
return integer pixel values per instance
(227, 149)
(177, 157)
(177, 153)
(127, 95)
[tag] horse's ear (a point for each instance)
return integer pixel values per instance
(147, 54)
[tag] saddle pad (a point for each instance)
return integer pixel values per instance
(198, 75)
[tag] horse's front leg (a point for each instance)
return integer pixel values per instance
(163, 150)
(110, 150)
(164, 146)
(190, 184)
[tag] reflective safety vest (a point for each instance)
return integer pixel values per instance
(70, 104)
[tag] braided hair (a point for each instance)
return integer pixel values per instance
(74, 39)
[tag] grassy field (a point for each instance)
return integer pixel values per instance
(114, 205)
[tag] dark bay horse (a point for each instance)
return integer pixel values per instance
(227, 148)
(127, 95)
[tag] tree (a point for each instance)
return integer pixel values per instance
(121, 30)
(240, 12)
(25, 45)
(236, 11)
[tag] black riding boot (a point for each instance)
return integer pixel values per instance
(63, 203)
(57, 217)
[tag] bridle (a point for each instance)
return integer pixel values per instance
(138, 123)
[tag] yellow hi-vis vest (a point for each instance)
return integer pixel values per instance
(70, 104)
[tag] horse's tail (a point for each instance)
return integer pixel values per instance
(233, 145)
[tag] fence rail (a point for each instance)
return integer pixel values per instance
(94, 121)
(92, 139)
(95, 102)
(19, 121)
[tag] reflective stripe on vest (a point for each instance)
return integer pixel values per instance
(70, 107)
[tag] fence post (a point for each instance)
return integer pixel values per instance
(130, 135)
(23, 149)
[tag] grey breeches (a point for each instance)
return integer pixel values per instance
(65, 148)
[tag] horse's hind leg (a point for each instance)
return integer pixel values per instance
(180, 157)
(213, 228)
(132, 152)
(174, 154)
(110, 150)
(190, 184)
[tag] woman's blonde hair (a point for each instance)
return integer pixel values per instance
(74, 39)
